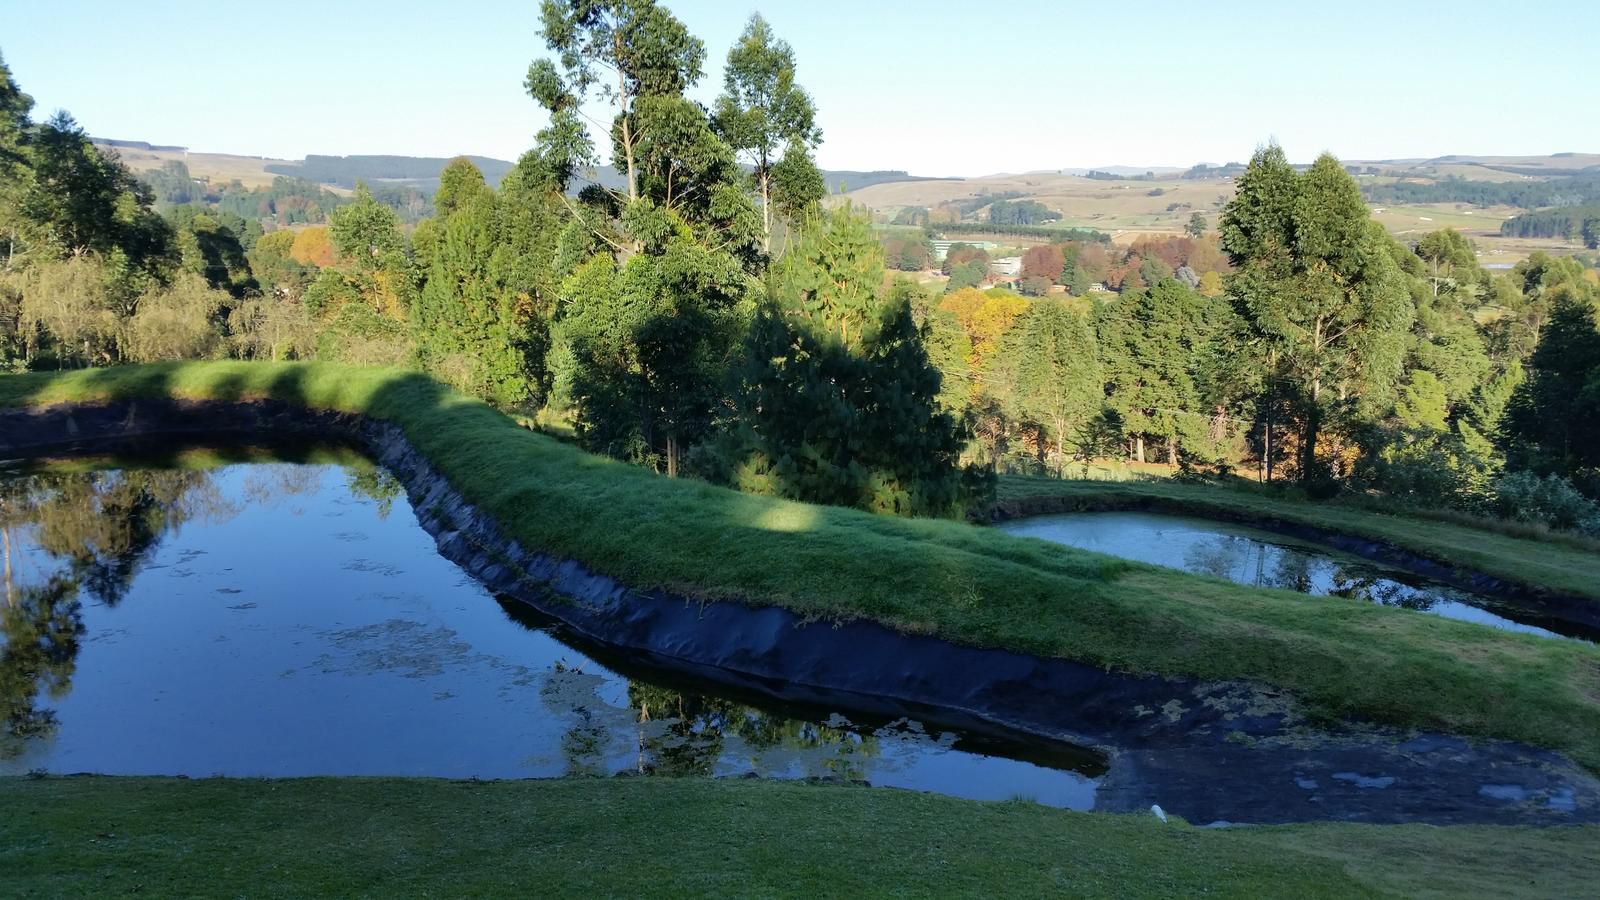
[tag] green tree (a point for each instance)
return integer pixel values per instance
(763, 110)
(834, 273)
(1445, 251)
(1318, 283)
(367, 233)
(473, 327)
(797, 185)
(836, 399)
(624, 50)
(1147, 347)
(1553, 419)
(662, 277)
(1056, 372)
(1197, 226)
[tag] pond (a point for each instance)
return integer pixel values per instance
(1263, 559)
(277, 619)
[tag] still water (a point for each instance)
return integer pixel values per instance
(272, 619)
(1262, 559)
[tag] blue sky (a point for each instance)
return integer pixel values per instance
(957, 88)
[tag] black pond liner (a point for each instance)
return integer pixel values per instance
(1210, 752)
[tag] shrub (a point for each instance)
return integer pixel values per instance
(178, 322)
(1551, 500)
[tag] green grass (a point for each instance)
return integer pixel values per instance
(1563, 563)
(604, 837)
(1344, 659)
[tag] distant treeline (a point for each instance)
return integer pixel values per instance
(971, 205)
(137, 145)
(1571, 191)
(1042, 231)
(1098, 175)
(1204, 171)
(1566, 223)
(847, 181)
(287, 201)
(1021, 212)
(345, 171)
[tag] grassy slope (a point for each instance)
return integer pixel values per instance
(967, 584)
(398, 837)
(1567, 565)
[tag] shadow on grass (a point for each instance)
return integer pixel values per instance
(962, 584)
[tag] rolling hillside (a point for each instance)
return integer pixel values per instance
(1163, 203)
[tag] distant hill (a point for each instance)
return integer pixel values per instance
(420, 172)
(340, 173)
(836, 180)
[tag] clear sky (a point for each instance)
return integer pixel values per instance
(934, 87)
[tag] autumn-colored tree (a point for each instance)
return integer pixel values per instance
(1205, 255)
(960, 254)
(313, 247)
(985, 316)
(1043, 261)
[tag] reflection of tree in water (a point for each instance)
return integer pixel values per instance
(1293, 570)
(692, 731)
(1250, 561)
(268, 484)
(1358, 584)
(1223, 557)
(105, 525)
(1246, 560)
(41, 626)
(102, 527)
(376, 484)
(676, 733)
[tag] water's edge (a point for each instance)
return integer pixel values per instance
(1206, 751)
(1552, 604)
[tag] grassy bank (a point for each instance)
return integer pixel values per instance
(1564, 563)
(399, 837)
(1339, 658)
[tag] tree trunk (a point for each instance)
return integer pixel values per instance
(766, 211)
(627, 131)
(672, 456)
(1308, 446)
(11, 595)
(1266, 449)
(1172, 451)
(1138, 448)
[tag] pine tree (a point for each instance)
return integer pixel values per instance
(1318, 283)
(1058, 382)
(1553, 419)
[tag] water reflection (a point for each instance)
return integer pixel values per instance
(1261, 559)
(281, 620)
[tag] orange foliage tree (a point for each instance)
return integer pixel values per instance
(313, 247)
(984, 316)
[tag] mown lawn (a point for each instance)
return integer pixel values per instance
(369, 837)
(1343, 659)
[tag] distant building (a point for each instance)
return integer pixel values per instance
(942, 248)
(1006, 267)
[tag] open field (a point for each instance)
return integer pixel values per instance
(359, 837)
(220, 168)
(1419, 220)
(1126, 209)
(1084, 202)
(969, 585)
